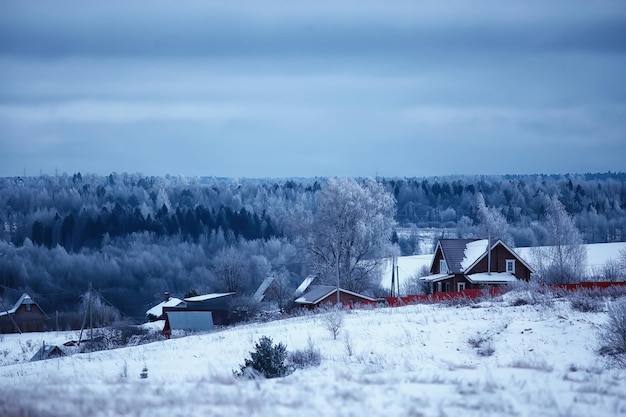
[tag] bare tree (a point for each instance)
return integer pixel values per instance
(229, 270)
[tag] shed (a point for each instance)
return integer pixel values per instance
(190, 320)
(47, 352)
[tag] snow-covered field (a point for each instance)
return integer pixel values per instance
(420, 360)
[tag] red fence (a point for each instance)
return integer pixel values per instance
(492, 291)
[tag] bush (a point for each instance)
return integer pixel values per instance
(613, 335)
(305, 358)
(267, 360)
(586, 302)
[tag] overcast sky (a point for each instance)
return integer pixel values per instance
(312, 88)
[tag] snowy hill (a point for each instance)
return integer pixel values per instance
(487, 359)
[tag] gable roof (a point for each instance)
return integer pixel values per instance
(304, 285)
(157, 310)
(453, 251)
(24, 299)
(318, 292)
(260, 292)
(47, 352)
(471, 265)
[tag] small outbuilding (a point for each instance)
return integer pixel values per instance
(47, 352)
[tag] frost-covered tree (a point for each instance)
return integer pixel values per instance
(229, 267)
(563, 259)
(493, 222)
(351, 232)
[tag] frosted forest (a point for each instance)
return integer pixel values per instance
(132, 237)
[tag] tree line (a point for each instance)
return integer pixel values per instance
(134, 236)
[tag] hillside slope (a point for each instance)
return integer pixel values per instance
(487, 359)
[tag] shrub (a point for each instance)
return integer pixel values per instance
(482, 344)
(613, 334)
(586, 302)
(267, 360)
(305, 358)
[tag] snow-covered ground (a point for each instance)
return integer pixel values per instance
(419, 360)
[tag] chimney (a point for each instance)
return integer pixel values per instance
(166, 296)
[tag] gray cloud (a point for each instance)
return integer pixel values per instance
(309, 88)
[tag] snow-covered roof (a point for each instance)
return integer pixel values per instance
(491, 278)
(436, 277)
(260, 292)
(24, 299)
(205, 297)
(157, 310)
(473, 251)
(304, 285)
(319, 292)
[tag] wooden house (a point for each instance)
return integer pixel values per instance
(460, 264)
(319, 295)
(24, 316)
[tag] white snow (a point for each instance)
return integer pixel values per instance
(206, 297)
(598, 254)
(473, 251)
(157, 310)
(407, 361)
(493, 277)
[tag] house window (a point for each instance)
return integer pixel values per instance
(447, 287)
(27, 307)
(443, 267)
(460, 286)
(510, 266)
(439, 287)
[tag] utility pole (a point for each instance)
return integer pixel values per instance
(393, 276)
(337, 266)
(90, 314)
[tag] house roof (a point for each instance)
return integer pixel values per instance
(206, 297)
(46, 351)
(157, 310)
(436, 277)
(454, 253)
(491, 278)
(24, 299)
(477, 259)
(304, 285)
(260, 292)
(473, 251)
(318, 292)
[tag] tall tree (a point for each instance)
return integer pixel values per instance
(351, 232)
(493, 222)
(563, 260)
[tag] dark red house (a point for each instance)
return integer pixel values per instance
(24, 316)
(318, 295)
(460, 264)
